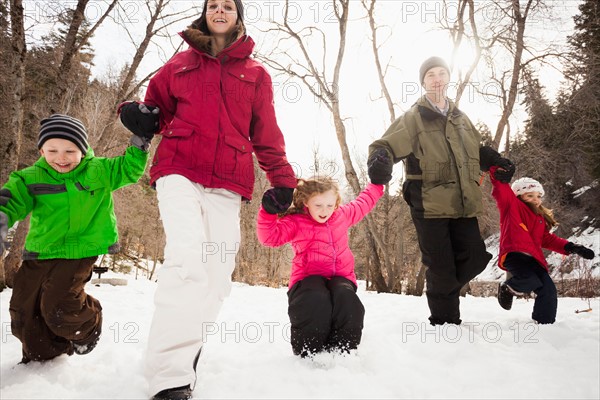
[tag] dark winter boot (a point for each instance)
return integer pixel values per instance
(505, 296)
(83, 349)
(87, 345)
(178, 393)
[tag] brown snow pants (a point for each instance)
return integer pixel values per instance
(50, 310)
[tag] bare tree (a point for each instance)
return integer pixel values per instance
(392, 226)
(70, 48)
(159, 20)
(458, 32)
(504, 34)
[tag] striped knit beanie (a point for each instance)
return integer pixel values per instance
(63, 127)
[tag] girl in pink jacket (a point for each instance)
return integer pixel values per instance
(325, 312)
(524, 230)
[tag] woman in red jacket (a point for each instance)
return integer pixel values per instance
(524, 230)
(324, 310)
(216, 109)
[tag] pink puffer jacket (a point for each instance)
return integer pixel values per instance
(319, 249)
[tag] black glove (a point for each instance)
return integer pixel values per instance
(488, 157)
(505, 171)
(3, 231)
(277, 200)
(580, 250)
(5, 196)
(140, 119)
(379, 167)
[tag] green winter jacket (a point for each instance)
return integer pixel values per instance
(441, 160)
(72, 214)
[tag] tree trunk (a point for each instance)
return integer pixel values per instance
(69, 52)
(11, 147)
(520, 20)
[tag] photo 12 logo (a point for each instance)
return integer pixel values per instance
(247, 332)
(471, 332)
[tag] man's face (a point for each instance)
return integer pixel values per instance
(436, 82)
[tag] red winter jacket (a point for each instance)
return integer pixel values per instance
(319, 249)
(521, 230)
(214, 112)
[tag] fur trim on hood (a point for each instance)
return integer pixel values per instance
(206, 43)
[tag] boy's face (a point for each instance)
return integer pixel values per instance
(62, 155)
(321, 206)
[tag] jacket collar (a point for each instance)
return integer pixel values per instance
(201, 43)
(427, 112)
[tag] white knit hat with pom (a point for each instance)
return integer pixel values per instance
(526, 185)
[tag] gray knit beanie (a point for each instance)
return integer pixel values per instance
(432, 62)
(63, 127)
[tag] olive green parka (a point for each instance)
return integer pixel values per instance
(441, 159)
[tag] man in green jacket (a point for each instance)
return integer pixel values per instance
(443, 160)
(68, 192)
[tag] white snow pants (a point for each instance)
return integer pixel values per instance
(202, 228)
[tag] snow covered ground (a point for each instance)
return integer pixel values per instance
(494, 354)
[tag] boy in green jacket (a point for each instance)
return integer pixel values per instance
(68, 192)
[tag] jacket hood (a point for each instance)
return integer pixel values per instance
(204, 43)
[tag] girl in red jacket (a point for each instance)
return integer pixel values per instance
(524, 230)
(325, 312)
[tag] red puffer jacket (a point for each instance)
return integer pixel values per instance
(320, 249)
(214, 112)
(521, 230)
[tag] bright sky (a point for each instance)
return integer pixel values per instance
(409, 34)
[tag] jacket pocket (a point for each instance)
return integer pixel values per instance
(241, 92)
(92, 187)
(177, 145)
(185, 79)
(438, 172)
(235, 160)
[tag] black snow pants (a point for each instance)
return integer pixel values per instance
(529, 276)
(325, 315)
(454, 253)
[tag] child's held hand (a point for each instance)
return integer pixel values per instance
(580, 250)
(277, 200)
(505, 171)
